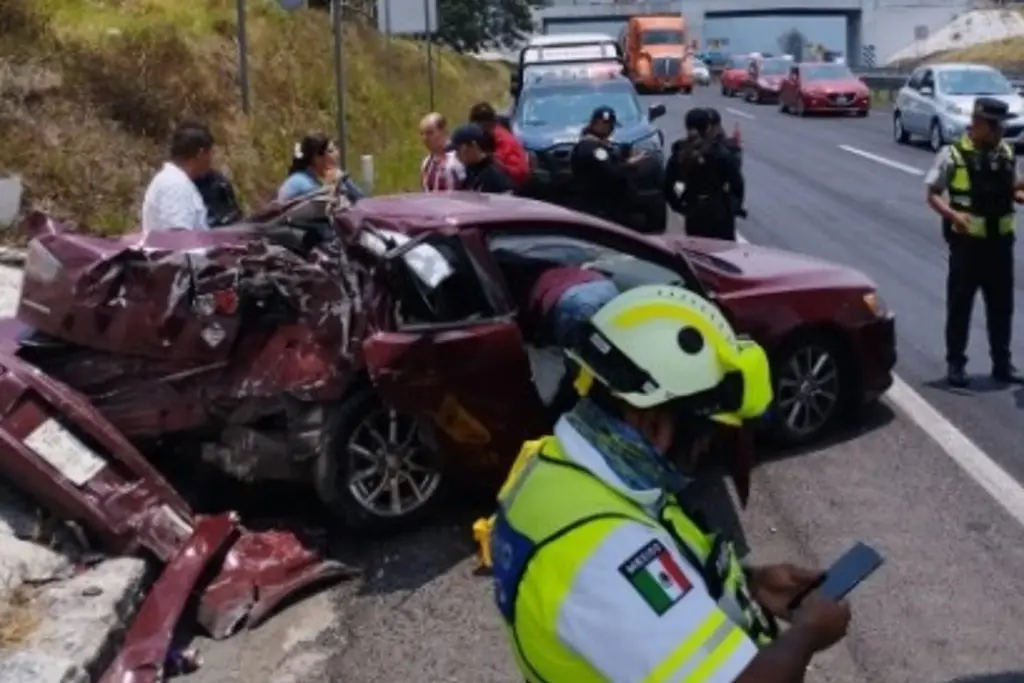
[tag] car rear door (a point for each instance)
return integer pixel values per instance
(466, 370)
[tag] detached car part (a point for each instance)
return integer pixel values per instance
(67, 456)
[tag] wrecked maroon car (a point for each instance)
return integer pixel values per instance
(381, 354)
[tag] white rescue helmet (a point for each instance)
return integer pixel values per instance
(658, 344)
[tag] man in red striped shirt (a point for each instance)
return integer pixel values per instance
(441, 171)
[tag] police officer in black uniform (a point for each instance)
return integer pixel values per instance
(602, 180)
(978, 173)
(703, 181)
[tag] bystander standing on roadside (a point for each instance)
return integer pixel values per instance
(483, 173)
(172, 200)
(441, 170)
(501, 143)
(315, 165)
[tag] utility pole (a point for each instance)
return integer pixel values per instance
(338, 29)
(243, 54)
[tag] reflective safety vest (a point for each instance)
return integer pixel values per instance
(982, 186)
(546, 497)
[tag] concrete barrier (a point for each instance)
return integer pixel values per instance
(10, 200)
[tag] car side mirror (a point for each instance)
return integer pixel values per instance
(655, 111)
(926, 91)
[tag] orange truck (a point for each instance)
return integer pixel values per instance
(657, 55)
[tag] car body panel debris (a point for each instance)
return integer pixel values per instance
(71, 460)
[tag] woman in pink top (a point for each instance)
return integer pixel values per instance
(440, 171)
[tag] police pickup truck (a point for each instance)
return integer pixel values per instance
(548, 117)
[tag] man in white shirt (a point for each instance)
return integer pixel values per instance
(172, 200)
(441, 170)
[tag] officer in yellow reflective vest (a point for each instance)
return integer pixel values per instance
(979, 175)
(600, 573)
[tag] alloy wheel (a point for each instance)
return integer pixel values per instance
(808, 390)
(389, 471)
(936, 138)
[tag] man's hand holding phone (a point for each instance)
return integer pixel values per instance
(821, 621)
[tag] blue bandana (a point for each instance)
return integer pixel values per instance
(629, 455)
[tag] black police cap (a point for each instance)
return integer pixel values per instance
(605, 114)
(991, 109)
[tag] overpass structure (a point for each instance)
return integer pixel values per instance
(879, 27)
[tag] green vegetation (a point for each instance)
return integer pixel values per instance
(90, 89)
(1007, 54)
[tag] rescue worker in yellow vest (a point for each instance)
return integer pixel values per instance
(980, 177)
(600, 573)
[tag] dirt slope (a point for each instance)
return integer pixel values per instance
(89, 90)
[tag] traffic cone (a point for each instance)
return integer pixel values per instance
(736, 137)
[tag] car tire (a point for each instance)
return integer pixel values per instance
(802, 414)
(935, 139)
(686, 90)
(899, 133)
(862, 113)
(347, 424)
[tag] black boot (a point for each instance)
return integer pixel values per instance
(1006, 374)
(956, 376)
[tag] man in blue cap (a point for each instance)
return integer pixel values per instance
(602, 178)
(978, 175)
(483, 174)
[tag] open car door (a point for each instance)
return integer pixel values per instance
(455, 352)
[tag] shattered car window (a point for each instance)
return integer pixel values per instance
(428, 264)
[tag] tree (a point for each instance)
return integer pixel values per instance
(793, 42)
(473, 25)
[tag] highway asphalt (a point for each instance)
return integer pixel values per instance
(948, 604)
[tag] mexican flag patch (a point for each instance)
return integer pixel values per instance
(656, 576)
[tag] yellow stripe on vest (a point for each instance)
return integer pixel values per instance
(709, 667)
(704, 644)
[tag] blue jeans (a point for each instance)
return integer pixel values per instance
(575, 308)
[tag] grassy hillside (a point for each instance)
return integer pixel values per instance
(1006, 54)
(89, 90)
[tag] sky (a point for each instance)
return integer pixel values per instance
(746, 34)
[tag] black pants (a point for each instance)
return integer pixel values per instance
(721, 228)
(975, 264)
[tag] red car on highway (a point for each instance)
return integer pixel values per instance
(822, 87)
(380, 350)
(736, 75)
(829, 334)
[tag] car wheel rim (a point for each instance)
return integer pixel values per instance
(388, 472)
(808, 390)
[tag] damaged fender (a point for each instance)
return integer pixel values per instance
(72, 461)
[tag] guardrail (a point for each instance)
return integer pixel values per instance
(889, 81)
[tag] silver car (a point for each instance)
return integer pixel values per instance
(701, 73)
(936, 103)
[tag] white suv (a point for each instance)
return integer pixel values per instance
(936, 103)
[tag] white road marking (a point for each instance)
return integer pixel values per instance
(906, 168)
(978, 465)
(740, 113)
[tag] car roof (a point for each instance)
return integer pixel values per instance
(558, 84)
(426, 211)
(959, 66)
(568, 38)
